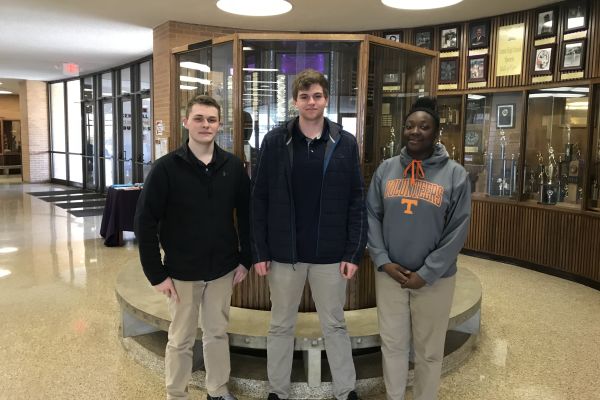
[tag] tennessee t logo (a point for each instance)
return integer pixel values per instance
(409, 203)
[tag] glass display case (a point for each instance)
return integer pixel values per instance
(492, 141)
(208, 70)
(372, 83)
(269, 68)
(556, 146)
(594, 181)
(396, 77)
(450, 109)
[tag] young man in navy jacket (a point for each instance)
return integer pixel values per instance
(187, 205)
(308, 221)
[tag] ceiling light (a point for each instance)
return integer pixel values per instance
(258, 8)
(186, 87)
(194, 65)
(6, 250)
(5, 92)
(4, 272)
(419, 5)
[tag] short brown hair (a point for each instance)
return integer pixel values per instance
(306, 79)
(202, 100)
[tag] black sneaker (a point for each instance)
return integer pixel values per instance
(273, 396)
(352, 396)
(227, 396)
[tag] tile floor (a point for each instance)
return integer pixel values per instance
(59, 317)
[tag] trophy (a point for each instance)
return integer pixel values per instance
(453, 157)
(541, 177)
(387, 151)
(549, 189)
(595, 190)
(568, 146)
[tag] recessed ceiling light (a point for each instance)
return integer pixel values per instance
(419, 5)
(5, 92)
(261, 8)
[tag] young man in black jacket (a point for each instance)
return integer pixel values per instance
(308, 222)
(187, 205)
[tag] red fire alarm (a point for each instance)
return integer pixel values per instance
(70, 69)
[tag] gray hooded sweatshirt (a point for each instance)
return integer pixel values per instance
(419, 213)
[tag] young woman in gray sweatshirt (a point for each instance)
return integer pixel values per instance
(419, 204)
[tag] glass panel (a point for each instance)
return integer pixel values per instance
(221, 88)
(11, 137)
(126, 80)
(107, 85)
(75, 168)
(108, 152)
(556, 145)
(59, 166)
(90, 146)
(127, 137)
(57, 127)
(146, 156)
(88, 88)
(74, 116)
(594, 192)
(492, 142)
(145, 75)
(269, 69)
(194, 80)
(396, 78)
(449, 108)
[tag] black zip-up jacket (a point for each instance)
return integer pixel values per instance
(191, 214)
(342, 225)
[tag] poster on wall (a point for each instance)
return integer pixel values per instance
(509, 58)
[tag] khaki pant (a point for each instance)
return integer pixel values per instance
(420, 313)
(211, 300)
(328, 287)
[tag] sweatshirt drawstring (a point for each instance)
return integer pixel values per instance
(414, 165)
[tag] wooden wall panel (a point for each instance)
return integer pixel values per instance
(253, 292)
(549, 237)
(593, 56)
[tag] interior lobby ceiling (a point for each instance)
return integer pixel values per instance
(38, 36)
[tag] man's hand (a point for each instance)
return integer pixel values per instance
(397, 272)
(348, 269)
(240, 274)
(262, 268)
(414, 282)
(167, 288)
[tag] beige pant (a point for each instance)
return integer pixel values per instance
(328, 287)
(211, 300)
(422, 313)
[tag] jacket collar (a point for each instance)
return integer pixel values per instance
(334, 129)
(220, 156)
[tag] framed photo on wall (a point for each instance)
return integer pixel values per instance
(449, 70)
(450, 38)
(394, 36)
(576, 18)
(479, 34)
(546, 23)
(424, 38)
(542, 62)
(477, 68)
(573, 55)
(505, 117)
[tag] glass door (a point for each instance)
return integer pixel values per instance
(125, 160)
(143, 160)
(108, 148)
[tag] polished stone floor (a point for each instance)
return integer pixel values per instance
(59, 319)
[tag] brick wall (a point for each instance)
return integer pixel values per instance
(34, 131)
(167, 36)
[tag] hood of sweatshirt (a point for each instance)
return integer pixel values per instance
(415, 169)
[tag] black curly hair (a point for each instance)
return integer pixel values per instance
(428, 105)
